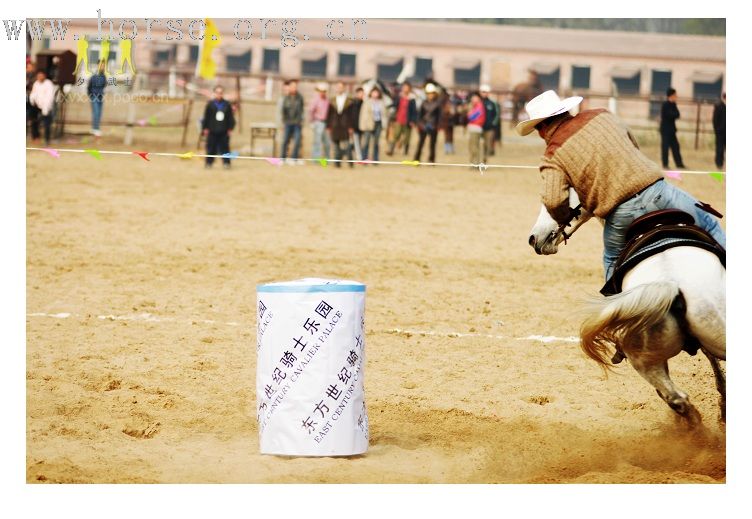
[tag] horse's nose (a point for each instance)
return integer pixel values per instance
(531, 241)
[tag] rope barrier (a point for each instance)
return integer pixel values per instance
(278, 161)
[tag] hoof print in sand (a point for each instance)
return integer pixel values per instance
(143, 433)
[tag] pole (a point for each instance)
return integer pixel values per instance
(131, 118)
(186, 120)
(240, 104)
(697, 125)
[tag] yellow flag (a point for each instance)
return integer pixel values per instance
(125, 55)
(82, 56)
(207, 67)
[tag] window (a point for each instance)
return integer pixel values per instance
(580, 77)
(313, 67)
(193, 56)
(468, 77)
(707, 91)
(389, 73)
(423, 69)
(346, 64)
(660, 81)
(550, 80)
(627, 85)
(270, 61)
(239, 62)
(161, 57)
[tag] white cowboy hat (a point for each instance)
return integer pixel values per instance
(544, 106)
(431, 89)
(485, 88)
(322, 87)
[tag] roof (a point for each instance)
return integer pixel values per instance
(501, 38)
(541, 39)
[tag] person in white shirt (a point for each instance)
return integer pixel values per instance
(42, 97)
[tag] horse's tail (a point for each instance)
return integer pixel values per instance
(616, 319)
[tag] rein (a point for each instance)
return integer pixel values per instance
(561, 230)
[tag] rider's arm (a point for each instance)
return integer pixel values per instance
(555, 194)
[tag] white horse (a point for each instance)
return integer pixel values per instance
(667, 299)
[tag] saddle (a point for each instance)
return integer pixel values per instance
(656, 232)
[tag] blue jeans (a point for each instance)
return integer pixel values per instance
(291, 131)
(96, 113)
(660, 195)
(367, 136)
(320, 140)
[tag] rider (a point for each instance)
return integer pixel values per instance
(597, 156)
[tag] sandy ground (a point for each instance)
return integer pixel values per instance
(141, 327)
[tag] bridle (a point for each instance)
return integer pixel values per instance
(561, 230)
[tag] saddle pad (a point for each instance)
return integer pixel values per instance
(613, 285)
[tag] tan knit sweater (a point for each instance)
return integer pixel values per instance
(596, 155)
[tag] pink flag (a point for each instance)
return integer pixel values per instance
(52, 152)
(142, 122)
(274, 161)
(674, 174)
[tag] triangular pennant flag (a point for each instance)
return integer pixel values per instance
(230, 155)
(153, 120)
(186, 155)
(94, 153)
(274, 161)
(411, 162)
(718, 176)
(143, 154)
(323, 162)
(142, 122)
(674, 174)
(52, 152)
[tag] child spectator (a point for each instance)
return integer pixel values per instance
(476, 118)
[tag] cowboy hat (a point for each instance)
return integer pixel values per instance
(544, 106)
(485, 88)
(322, 87)
(431, 89)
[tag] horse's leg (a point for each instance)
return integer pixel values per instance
(649, 352)
(720, 382)
(657, 375)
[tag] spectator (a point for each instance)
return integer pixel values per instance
(447, 122)
(292, 118)
(476, 118)
(493, 116)
(492, 120)
(370, 122)
(340, 123)
(42, 97)
(428, 122)
(217, 125)
(719, 127)
(356, 106)
(318, 113)
(404, 119)
(280, 101)
(31, 111)
(669, 115)
(95, 89)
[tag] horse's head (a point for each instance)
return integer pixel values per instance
(547, 234)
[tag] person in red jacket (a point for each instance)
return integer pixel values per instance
(476, 118)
